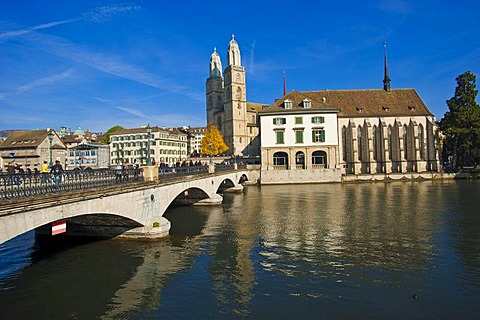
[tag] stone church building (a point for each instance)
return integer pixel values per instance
(327, 132)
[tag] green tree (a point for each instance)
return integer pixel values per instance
(461, 124)
(106, 137)
(212, 143)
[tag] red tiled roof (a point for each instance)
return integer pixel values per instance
(357, 103)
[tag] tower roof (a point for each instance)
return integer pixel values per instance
(233, 53)
(386, 79)
(215, 64)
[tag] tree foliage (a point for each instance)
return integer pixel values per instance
(212, 143)
(461, 124)
(106, 137)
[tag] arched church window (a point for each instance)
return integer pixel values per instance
(390, 143)
(360, 143)
(421, 139)
(238, 96)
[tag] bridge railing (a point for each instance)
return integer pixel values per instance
(24, 184)
(173, 172)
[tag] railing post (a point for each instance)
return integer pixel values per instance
(211, 168)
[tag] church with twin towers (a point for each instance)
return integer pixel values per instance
(359, 131)
(227, 105)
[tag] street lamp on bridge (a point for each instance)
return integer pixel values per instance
(149, 131)
(50, 139)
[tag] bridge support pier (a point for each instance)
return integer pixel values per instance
(156, 228)
(216, 199)
(236, 189)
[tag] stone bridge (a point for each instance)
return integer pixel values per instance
(134, 211)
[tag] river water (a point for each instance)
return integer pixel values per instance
(399, 250)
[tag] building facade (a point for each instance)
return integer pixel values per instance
(88, 155)
(227, 106)
(31, 148)
(358, 131)
(142, 145)
(367, 131)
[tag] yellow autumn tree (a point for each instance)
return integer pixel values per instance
(212, 143)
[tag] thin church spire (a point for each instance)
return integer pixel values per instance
(386, 79)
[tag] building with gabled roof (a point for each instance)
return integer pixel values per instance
(32, 147)
(355, 131)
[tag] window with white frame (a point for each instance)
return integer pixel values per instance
(307, 104)
(287, 104)
(318, 119)
(318, 135)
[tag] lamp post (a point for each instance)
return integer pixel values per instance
(50, 139)
(210, 145)
(149, 131)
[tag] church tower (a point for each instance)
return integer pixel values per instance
(215, 93)
(235, 121)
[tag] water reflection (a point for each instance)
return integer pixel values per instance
(349, 251)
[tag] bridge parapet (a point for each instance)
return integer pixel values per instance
(143, 204)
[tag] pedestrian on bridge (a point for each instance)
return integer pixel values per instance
(57, 171)
(45, 175)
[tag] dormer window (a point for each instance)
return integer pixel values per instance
(307, 104)
(385, 108)
(411, 108)
(287, 104)
(359, 109)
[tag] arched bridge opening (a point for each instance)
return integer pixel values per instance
(188, 197)
(97, 225)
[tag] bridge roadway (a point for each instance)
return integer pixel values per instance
(132, 210)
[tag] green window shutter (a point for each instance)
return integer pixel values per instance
(322, 119)
(284, 120)
(299, 136)
(313, 119)
(313, 135)
(274, 122)
(323, 135)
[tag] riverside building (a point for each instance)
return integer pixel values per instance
(168, 145)
(323, 135)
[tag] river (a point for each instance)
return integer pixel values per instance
(397, 250)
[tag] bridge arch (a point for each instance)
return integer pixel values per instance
(142, 206)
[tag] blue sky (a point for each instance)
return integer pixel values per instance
(96, 64)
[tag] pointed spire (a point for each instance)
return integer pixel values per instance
(284, 83)
(386, 79)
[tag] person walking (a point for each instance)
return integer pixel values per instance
(45, 177)
(57, 171)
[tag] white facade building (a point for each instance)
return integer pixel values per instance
(167, 145)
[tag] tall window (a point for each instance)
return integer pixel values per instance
(390, 143)
(298, 136)
(360, 143)
(280, 136)
(318, 135)
(421, 138)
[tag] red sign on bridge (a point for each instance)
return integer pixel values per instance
(59, 227)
